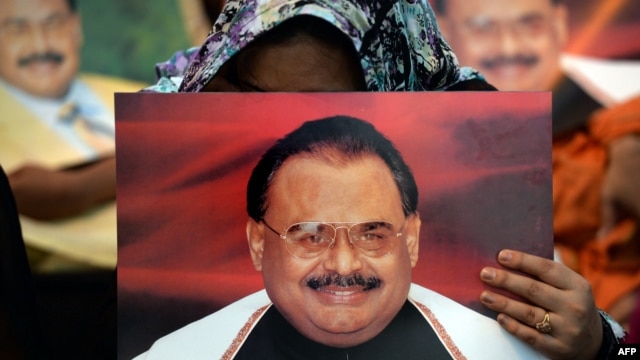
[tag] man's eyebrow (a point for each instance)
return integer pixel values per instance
(532, 16)
(13, 20)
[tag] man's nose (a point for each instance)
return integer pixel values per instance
(37, 38)
(509, 40)
(343, 257)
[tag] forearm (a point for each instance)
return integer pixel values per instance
(612, 334)
(46, 194)
(96, 183)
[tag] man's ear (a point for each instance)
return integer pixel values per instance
(78, 33)
(255, 236)
(412, 231)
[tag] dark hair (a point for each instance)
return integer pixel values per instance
(72, 5)
(350, 137)
(314, 27)
(310, 25)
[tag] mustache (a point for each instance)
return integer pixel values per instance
(49, 56)
(526, 60)
(367, 283)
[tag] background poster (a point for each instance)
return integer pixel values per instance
(598, 28)
(482, 162)
(151, 31)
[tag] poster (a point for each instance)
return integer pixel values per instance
(482, 162)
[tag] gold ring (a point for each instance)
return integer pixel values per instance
(545, 325)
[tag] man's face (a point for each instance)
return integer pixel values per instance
(310, 189)
(39, 45)
(515, 44)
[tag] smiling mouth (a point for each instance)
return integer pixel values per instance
(343, 293)
(339, 292)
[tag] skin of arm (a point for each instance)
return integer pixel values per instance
(49, 194)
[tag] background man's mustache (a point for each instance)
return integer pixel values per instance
(368, 283)
(46, 57)
(525, 60)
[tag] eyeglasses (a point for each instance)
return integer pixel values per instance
(22, 30)
(306, 240)
(486, 29)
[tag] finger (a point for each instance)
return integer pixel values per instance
(525, 313)
(534, 291)
(549, 271)
(544, 343)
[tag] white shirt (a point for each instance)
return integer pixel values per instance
(465, 333)
(100, 119)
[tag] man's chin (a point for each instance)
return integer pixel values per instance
(343, 330)
(510, 78)
(512, 84)
(43, 68)
(46, 88)
(345, 318)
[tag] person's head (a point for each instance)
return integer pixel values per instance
(39, 45)
(338, 283)
(515, 44)
(372, 45)
(304, 53)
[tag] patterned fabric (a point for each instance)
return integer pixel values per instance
(399, 42)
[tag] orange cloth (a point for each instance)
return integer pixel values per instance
(611, 264)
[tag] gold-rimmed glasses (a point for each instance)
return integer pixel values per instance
(374, 238)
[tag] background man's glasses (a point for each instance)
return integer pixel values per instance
(374, 238)
(23, 30)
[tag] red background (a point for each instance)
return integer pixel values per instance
(481, 160)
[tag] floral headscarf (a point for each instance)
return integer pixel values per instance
(398, 41)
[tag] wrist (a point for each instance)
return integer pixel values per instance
(612, 334)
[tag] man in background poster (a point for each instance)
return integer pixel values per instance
(517, 45)
(56, 129)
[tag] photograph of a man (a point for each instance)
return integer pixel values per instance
(57, 134)
(45, 95)
(334, 229)
(182, 214)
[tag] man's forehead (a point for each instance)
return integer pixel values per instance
(31, 10)
(328, 160)
(481, 20)
(487, 11)
(306, 182)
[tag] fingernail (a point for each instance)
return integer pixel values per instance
(505, 256)
(487, 298)
(487, 274)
